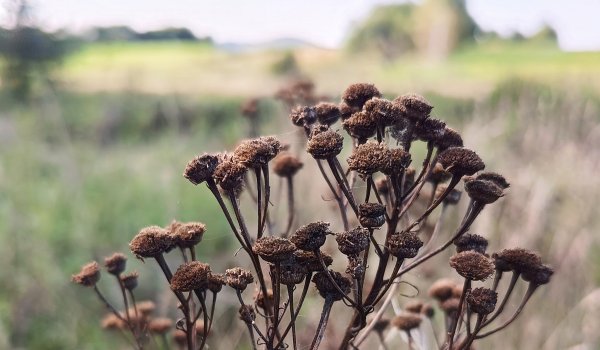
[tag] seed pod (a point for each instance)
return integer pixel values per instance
(371, 215)
(353, 241)
(472, 265)
(482, 301)
(216, 281)
(441, 290)
(325, 144)
(189, 234)
(273, 249)
(346, 110)
(460, 161)
(115, 264)
(88, 276)
(256, 152)
(327, 289)
(384, 112)
(310, 261)
(160, 325)
(414, 107)
(483, 191)
(146, 307)
(496, 178)
(355, 267)
(429, 130)
(327, 113)
(286, 164)
(247, 313)
(356, 95)
(130, 281)
(292, 273)
(368, 158)
(516, 259)
(450, 138)
(428, 310)
(229, 175)
(381, 325)
(150, 242)
(406, 322)
(450, 306)
(360, 125)
(312, 236)
(397, 160)
(201, 168)
(539, 275)
(238, 278)
(404, 245)
(303, 115)
(190, 276)
(471, 242)
(414, 306)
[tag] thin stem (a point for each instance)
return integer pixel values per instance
(206, 322)
(347, 192)
(335, 195)
(297, 312)
(290, 290)
(160, 259)
(291, 210)
(215, 191)
(259, 207)
(390, 281)
(466, 288)
(241, 300)
(212, 310)
(265, 169)
(108, 305)
(322, 323)
(511, 286)
(333, 282)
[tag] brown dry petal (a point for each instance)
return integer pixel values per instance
(398, 159)
(216, 281)
(371, 214)
(115, 264)
(273, 249)
(539, 275)
(404, 245)
(310, 261)
(112, 322)
(471, 242)
(407, 321)
(230, 176)
(286, 164)
(429, 130)
(312, 236)
(189, 234)
(190, 276)
(450, 138)
(516, 259)
(238, 278)
(303, 115)
(353, 241)
(325, 144)
(327, 289)
(360, 125)
(496, 178)
(88, 276)
(414, 107)
(441, 290)
(384, 112)
(368, 158)
(130, 281)
(483, 191)
(472, 265)
(327, 113)
(201, 168)
(482, 301)
(150, 242)
(356, 95)
(460, 161)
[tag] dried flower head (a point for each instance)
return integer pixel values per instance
(368, 158)
(384, 112)
(130, 280)
(216, 281)
(190, 276)
(291, 273)
(247, 313)
(404, 245)
(355, 267)
(88, 276)
(496, 178)
(346, 110)
(472, 265)
(428, 310)
(516, 259)
(450, 306)
(353, 241)
(286, 164)
(310, 260)
(145, 307)
(460, 161)
(360, 125)
(471, 242)
(450, 138)
(261, 301)
(151, 242)
(414, 107)
(438, 174)
(441, 289)
(238, 278)
(381, 325)
(483, 191)
(407, 321)
(112, 323)
(327, 113)
(256, 152)
(249, 108)
(397, 160)
(303, 115)
(325, 144)
(229, 175)
(327, 289)
(273, 249)
(356, 95)
(539, 275)
(482, 301)
(201, 168)
(371, 214)
(414, 306)
(160, 325)
(189, 234)
(115, 264)
(312, 236)
(429, 130)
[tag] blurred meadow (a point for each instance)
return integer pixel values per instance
(94, 149)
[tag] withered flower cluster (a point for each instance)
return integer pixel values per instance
(387, 226)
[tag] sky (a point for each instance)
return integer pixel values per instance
(322, 22)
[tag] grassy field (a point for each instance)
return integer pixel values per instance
(83, 167)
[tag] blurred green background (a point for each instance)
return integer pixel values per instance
(94, 136)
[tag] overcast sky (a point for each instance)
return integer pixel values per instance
(323, 22)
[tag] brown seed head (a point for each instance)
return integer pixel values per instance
(327, 289)
(286, 164)
(201, 168)
(450, 306)
(273, 249)
(496, 178)
(381, 325)
(353, 241)
(384, 112)
(216, 281)
(325, 144)
(472, 265)
(303, 115)
(371, 214)
(346, 110)
(112, 323)
(460, 161)
(151, 242)
(355, 267)
(229, 175)
(414, 306)
(482, 301)
(516, 259)
(238, 278)
(312, 236)
(160, 325)
(180, 338)
(146, 307)
(471, 242)
(450, 138)
(397, 160)
(538, 276)
(247, 313)
(291, 273)
(369, 158)
(407, 321)
(327, 113)
(414, 107)
(130, 280)
(115, 264)
(256, 152)
(88, 276)
(483, 191)
(190, 276)
(261, 301)
(441, 289)
(404, 245)
(429, 130)
(356, 95)
(310, 261)
(360, 125)
(438, 174)
(189, 234)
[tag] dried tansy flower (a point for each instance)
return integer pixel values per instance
(397, 160)
(539, 275)
(230, 176)
(460, 161)
(273, 249)
(303, 115)
(257, 152)
(404, 245)
(150, 242)
(450, 138)
(190, 276)
(327, 113)
(472, 265)
(113, 323)
(189, 234)
(115, 264)
(201, 168)
(516, 259)
(356, 95)
(325, 144)
(312, 236)
(407, 321)
(414, 107)
(286, 164)
(327, 289)
(261, 301)
(130, 280)
(292, 273)
(429, 130)
(450, 306)
(371, 214)
(360, 125)
(496, 178)
(482, 300)
(88, 276)
(483, 191)
(310, 260)
(160, 325)
(247, 313)
(238, 278)
(470, 241)
(353, 241)
(384, 112)
(368, 158)
(216, 281)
